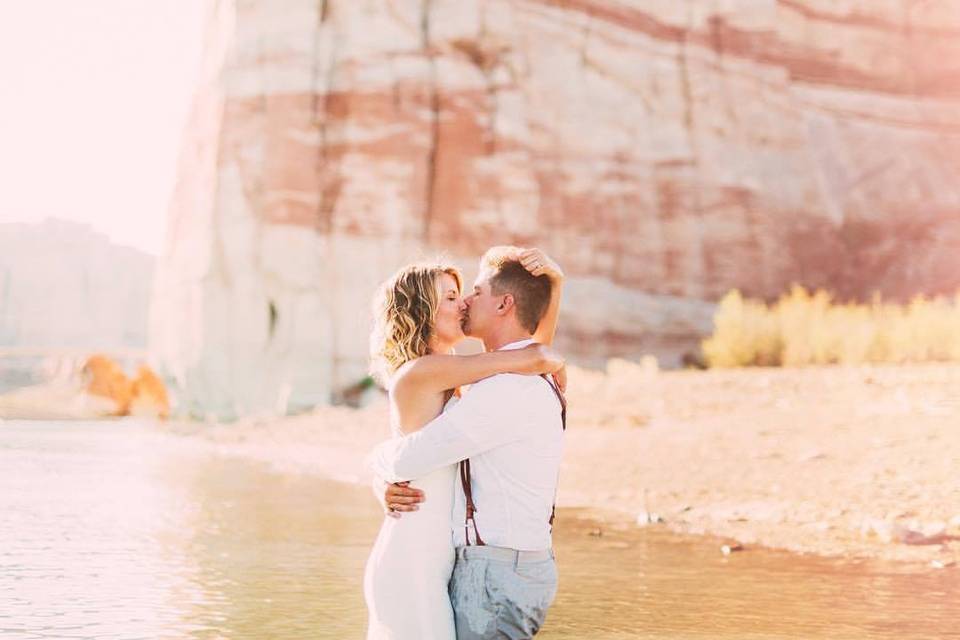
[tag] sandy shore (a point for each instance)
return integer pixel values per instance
(858, 462)
(54, 401)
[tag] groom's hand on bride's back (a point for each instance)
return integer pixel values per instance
(400, 497)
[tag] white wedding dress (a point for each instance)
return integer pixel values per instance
(405, 582)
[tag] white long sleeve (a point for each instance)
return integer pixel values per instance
(509, 426)
(482, 420)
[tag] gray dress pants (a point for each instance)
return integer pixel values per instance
(501, 593)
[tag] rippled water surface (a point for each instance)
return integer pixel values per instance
(110, 530)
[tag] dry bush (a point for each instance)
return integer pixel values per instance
(804, 328)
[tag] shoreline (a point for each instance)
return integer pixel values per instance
(852, 462)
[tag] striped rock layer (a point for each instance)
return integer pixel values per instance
(664, 151)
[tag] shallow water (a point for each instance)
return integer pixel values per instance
(112, 530)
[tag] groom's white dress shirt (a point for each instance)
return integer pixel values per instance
(509, 426)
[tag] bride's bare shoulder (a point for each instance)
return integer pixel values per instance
(404, 377)
(412, 375)
(408, 382)
(412, 404)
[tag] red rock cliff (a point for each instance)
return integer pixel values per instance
(664, 151)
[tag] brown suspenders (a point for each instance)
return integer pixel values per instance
(471, 508)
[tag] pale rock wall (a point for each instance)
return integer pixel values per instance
(65, 286)
(664, 151)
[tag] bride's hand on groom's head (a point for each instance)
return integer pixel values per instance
(540, 264)
(545, 360)
(560, 377)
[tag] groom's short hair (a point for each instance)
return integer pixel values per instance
(531, 294)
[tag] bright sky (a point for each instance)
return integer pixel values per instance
(93, 99)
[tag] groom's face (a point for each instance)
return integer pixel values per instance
(480, 307)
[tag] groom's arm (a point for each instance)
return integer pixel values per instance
(482, 420)
(397, 497)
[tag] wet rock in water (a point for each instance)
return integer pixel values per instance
(727, 549)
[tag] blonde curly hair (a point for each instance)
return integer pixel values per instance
(404, 311)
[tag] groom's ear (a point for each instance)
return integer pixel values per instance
(506, 303)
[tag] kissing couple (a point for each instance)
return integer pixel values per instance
(469, 478)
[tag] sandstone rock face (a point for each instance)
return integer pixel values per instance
(664, 151)
(63, 285)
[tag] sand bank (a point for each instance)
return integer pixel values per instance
(858, 462)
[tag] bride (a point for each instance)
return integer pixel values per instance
(418, 320)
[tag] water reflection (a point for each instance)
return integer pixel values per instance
(81, 540)
(111, 530)
(652, 584)
(279, 556)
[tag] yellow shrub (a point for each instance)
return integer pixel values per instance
(745, 334)
(804, 328)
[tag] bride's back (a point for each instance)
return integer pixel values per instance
(410, 410)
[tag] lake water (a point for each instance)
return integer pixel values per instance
(113, 530)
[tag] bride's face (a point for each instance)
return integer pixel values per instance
(446, 326)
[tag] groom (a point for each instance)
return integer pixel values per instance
(509, 431)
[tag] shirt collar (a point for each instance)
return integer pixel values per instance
(519, 344)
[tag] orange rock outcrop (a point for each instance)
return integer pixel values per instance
(106, 378)
(143, 396)
(149, 395)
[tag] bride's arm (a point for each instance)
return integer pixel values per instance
(436, 373)
(539, 264)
